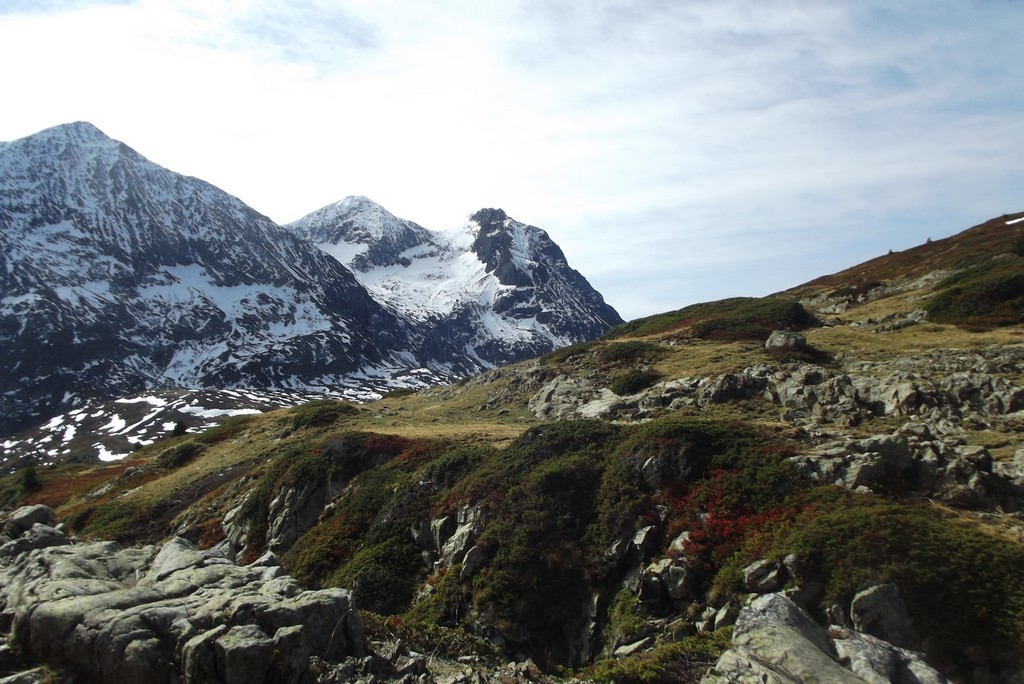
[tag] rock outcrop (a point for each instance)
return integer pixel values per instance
(944, 388)
(170, 613)
(776, 642)
(915, 460)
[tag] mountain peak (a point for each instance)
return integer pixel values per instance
(489, 216)
(76, 131)
(358, 220)
(358, 203)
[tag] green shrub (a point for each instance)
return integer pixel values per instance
(229, 428)
(806, 354)
(631, 352)
(968, 274)
(179, 455)
(961, 583)
(568, 353)
(753, 319)
(119, 520)
(1018, 245)
(739, 318)
(320, 413)
(455, 464)
(997, 300)
(77, 520)
(684, 661)
(624, 621)
(337, 458)
(383, 577)
(622, 503)
(16, 486)
(650, 325)
(633, 381)
(324, 548)
(536, 580)
(447, 602)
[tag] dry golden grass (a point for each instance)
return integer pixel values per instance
(701, 358)
(866, 345)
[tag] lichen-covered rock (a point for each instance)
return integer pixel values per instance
(171, 614)
(774, 641)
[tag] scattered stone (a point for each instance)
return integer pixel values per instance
(880, 662)
(635, 647)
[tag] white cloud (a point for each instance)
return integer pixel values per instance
(677, 151)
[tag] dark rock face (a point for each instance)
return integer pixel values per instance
(117, 275)
(496, 292)
(526, 258)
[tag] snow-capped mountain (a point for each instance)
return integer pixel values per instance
(117, 275)
(492, 292)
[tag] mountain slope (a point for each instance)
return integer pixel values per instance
(493, 292)
(118, 275)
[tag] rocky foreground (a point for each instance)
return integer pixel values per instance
(98, 611)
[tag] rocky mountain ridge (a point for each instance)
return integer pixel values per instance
(119, 276)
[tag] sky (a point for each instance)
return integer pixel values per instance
(678, 151)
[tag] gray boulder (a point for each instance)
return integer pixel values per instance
(173, 613)
(879, 662)
(764, 576)
(774, 641)
(36, 537)
(785, 340)
(22, 519)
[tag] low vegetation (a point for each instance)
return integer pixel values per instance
(989, 300)
(727, 320)
(958, 578)
(634, 380)
(19, 486)
(683, 661)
